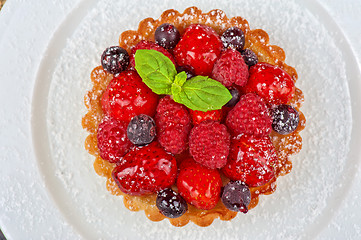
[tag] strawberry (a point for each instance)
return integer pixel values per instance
(127, 96)
(148, 45)
(199, 48)
(199, 185)
(251, 160)
(112, 139)
(200, 116)
(250, 116)
(271, 83)
(145, 170)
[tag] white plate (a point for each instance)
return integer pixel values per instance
(307, 203)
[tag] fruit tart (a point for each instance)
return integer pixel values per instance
(193, 116)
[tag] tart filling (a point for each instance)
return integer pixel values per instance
(169, 148)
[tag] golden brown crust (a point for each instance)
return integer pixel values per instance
(258, 41)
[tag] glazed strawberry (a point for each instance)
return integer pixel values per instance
(271, 83)
(250, 116)
(251, 160)
(200, 116)
(127, 96)
(199, 47)
(148, 45)
(112, 139)
(198, 185)
(173, 125)
(145, 170)
(209, 144)
(230, 68)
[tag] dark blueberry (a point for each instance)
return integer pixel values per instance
(188, 69)
(236, 196)
(167, 36)
(249, 57)
(235, 97)
(115, 59)
(233, 37)
(141, 130)
(285, 119)
(170, 203)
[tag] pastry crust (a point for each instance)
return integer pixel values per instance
(258, 41)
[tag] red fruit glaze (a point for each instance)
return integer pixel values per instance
(250, 116)
(230, 68)
(148, 45)
(199, 47)
(198, 185)
(209, 144)
(251, 160)
(271, 83)
(127, 96)
(200, 116)
(145, 170)
(112, 139)
(173, 125)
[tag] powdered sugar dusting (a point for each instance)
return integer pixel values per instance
(302, 197)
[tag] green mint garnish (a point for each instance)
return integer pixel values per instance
(198, 93)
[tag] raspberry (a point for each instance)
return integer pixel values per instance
(250, 116)
(199, 48)
(127, 96)
(271, 83)
(209, 144)
(173, 125)
(230, 68)
(148, 45)
(112, 139)
(251, 160)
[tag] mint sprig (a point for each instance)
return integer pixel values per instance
(198, 93)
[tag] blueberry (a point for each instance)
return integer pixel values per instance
(249, 57)
(285, 119)
(141, 130)
(188, 69)
(115, 59)
(170, 203)
(233, 37)
(236, 196)
(167, 36)
(235, 97)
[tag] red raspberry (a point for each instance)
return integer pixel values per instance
(127, 96)
(199, 48)
(173, 125)
(112, 139)
(251, 160)
(271, 83)
(250, 116)
(145, 170)
(199, 185)
(230, 68)
(148, 45)
(200, 116)
(209, 144)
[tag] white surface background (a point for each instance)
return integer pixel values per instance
(26, 27)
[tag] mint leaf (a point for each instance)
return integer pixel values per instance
(203, 94)
(179, 80)
(157, 71)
